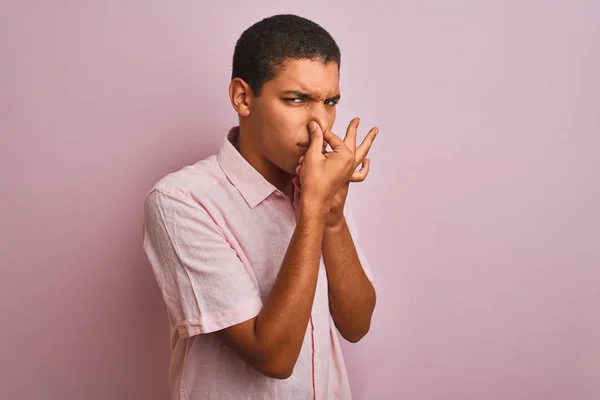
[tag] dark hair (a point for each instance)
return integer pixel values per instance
(261, 51)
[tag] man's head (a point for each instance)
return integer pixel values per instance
(285, 74)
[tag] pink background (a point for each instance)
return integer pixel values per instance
(480, 217)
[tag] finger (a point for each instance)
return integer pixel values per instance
(361, 175)
(316, 139)
(351, 133)
(300, 160)
(296, 180)
(365, 146)
(298, 169)
(334, 141)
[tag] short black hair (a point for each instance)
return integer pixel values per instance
(262, 49)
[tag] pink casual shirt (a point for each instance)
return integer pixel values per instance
(216, 233)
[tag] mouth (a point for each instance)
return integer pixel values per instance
(304, 145)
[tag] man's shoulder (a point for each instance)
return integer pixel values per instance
(199, 179)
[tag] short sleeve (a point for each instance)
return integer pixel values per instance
(204, 284)
(350, 221)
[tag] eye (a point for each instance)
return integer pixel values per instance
(331, 102)
(294, 100)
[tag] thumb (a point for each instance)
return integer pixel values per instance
(316, 139)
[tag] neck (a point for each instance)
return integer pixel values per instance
(272, 173)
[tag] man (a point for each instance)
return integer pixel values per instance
(253, 247)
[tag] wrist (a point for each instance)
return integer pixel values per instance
(335, 223)
(314, 210)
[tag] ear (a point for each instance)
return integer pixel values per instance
(240, 95)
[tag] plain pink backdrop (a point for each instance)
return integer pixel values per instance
(481, 216)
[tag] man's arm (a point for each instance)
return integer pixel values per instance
(271, 342)
(351, 295)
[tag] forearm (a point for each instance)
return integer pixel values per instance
(282, 322)
(351, 295)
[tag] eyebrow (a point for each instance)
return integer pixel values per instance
(305, 96)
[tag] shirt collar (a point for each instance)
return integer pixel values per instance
(253, 187)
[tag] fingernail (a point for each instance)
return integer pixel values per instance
(312, 126)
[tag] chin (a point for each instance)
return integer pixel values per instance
(287, 164)
(290, 168)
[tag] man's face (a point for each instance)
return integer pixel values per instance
(303, 91)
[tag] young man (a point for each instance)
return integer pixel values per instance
(253, 247)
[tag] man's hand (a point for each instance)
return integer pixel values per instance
(336, 213)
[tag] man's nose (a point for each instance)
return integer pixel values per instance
(321, 120)
(324, 124)
(318, 112)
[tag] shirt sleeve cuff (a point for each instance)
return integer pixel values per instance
(221, 320)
